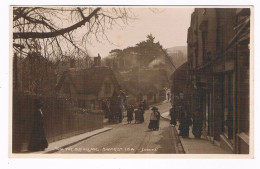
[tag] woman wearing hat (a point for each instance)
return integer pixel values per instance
(153, 125)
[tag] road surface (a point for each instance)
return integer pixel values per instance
(131, 138)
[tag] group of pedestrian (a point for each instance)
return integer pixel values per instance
(138, 113)
(186, 120)
(113, 108)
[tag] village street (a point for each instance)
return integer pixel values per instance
(131, 138)
(71, 98)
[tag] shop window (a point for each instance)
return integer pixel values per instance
(229, 108)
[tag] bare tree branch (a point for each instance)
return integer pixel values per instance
(26, 35)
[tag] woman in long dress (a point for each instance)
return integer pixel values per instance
(38, 140)
(153, 125)
(185, 122)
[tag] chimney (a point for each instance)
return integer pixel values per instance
(97, 61)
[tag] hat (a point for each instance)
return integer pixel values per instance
(154, 108)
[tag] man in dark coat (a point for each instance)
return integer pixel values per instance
(141, 108)
(158, 119)
(38, 140)
(197, 124)
(145, 105)
(130, 112)
(173, 115)
(185, 122)
(139, 116)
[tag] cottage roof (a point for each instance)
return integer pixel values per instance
(87, 81)
(181, 72)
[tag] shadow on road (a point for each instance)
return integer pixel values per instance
(167, 142)
(148, 130)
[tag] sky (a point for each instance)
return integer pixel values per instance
(168, 25)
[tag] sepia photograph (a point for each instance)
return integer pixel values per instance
(148, 81)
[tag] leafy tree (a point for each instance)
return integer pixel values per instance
(141, 55)
(148, 50)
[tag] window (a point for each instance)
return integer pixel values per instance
(81, 103)
(204, 41)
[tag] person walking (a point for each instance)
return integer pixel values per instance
(168, 96)
(173, 115)
(130, 112)
(137, 113)
(153, 125)
(197, 124)
(105, 109)
(158, 119)
(145, 105)
(185, 122)
(38, 140)
(142, 114)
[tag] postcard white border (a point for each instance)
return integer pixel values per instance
(147, 163)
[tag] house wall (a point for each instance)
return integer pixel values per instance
(216, 84)
(104, 93)
(207, 24)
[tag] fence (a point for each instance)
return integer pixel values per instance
(61, 120)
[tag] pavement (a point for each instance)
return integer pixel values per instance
(131, 138)
(192, 145)
(64, 143)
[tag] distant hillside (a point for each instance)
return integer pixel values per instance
(174, 49)
(178, 55)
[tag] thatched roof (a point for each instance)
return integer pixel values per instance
(87, 81)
